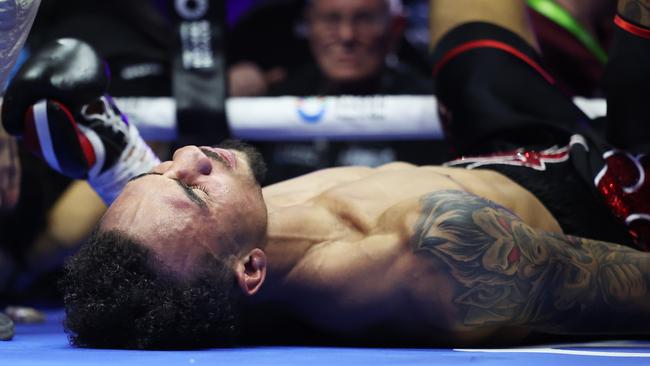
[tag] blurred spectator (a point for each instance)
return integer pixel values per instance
(272, 41)
(354, 44)
(354, 48)
(574, 37)
(264, 46)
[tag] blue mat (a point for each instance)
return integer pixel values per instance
(47, 344)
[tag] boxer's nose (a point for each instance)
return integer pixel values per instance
(188, 163)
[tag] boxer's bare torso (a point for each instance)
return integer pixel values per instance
(346, 247)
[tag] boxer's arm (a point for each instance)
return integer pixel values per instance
(57, 104)
(510, 14)
(502, 273)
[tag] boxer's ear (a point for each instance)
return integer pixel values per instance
(250, 271)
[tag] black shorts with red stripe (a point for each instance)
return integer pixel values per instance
(550, 175)
(495, 96)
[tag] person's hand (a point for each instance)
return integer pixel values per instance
(245, 79)
(9, 171)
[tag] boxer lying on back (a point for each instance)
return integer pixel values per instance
(193, 247)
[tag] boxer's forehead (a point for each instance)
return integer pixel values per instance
(161, 214)
(181, 224)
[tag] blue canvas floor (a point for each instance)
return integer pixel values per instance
(47, 344)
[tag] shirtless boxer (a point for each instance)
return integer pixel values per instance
(414, 255)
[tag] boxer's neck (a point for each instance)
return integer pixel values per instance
(283, 254)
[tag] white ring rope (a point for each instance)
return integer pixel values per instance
(304, 118)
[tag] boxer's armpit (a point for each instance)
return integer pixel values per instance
(636, 11)
(504, 273)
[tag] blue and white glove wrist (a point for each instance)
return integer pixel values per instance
(137, 158)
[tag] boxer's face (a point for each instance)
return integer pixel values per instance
(203, 200)
(349, 38)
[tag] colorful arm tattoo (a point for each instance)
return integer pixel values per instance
(505, 273)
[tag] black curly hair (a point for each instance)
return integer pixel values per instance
(117, 294)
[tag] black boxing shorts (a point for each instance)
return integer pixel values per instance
(551, 175)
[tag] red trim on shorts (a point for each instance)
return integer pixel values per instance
(489, 43)
(631, 28)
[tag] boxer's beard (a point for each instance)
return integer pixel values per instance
(255, 160)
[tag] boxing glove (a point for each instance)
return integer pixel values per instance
(57, 104)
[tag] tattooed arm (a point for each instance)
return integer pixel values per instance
(636, 11)
(504, 273)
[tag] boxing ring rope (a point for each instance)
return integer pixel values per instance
(377, 117)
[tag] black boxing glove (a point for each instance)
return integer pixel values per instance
(57, 104)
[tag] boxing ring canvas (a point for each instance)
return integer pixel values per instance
(47, 344)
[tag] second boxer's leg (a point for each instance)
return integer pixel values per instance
(493, 91)
(627, 78)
